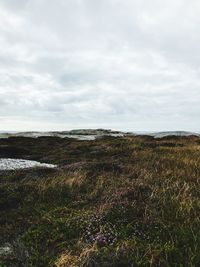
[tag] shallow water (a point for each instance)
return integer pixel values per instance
(87, 137)
(15, 164)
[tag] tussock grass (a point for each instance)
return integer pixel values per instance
(131, 201)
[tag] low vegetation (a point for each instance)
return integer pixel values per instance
(125, 201)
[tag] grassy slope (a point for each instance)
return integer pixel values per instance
(114, 202)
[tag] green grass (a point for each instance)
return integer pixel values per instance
(113, 202)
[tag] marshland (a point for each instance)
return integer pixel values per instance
(113, 201)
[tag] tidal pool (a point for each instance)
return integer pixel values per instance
(16, 164)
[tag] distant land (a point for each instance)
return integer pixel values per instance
(91, 134)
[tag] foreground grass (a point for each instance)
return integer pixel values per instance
(131, 201)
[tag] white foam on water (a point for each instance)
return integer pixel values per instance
(15, 164)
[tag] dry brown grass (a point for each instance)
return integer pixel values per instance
(147, 190)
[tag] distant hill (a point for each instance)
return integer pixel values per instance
(81, 134)
(91, 134)
(173, 133)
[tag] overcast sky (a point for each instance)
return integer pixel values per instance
(120, 64)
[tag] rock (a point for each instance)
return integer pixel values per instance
(7, 251)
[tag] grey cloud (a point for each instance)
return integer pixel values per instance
(124, 64)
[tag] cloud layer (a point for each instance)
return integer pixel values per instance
(129, 65)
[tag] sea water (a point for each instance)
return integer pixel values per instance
(15, 164)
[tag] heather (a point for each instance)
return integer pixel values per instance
(114, 201)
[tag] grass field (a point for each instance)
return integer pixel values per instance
(126, 201)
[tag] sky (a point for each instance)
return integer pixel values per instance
(126, 65)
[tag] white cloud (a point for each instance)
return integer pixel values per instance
(86, 63)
